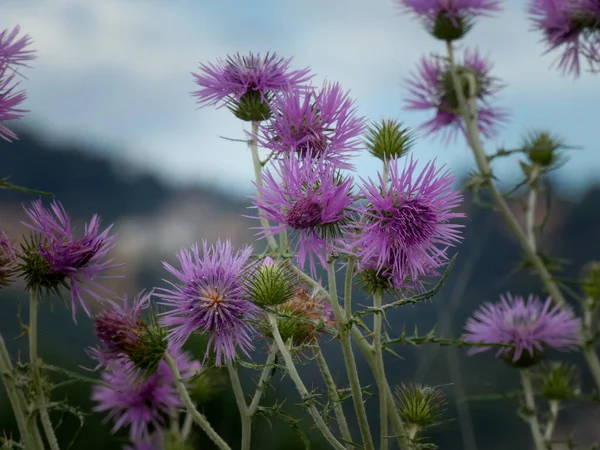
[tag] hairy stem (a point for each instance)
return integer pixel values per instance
(549, 430)
(252, 144)
(531, 207)
(191, 408)
(245, 417)
(293, 373)
(532, 418)
(186, 429)
(265, 377)
(333, 394)
(350, 361)
(380, 372)
(36, 373)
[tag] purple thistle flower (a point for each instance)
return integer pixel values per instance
(530, 326)
(211, 299)
(407, 230)
(227, 81)
(312, 200)
(65, 258)
(12, 50)
(571, 24)
(316, 123)
(432, 88)
(142, 404)
(9, 105)
(452, 9)
(8, 260)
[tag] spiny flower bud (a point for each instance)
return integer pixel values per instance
(450, 29)
(389, 139)
(590, 281)
(419, 406)
(557, 380)
(251, 107)
(542, 147)
(8, 260)
(206, 384)
(271, 284)
(301, 318)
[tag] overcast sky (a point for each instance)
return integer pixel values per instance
(117, 74)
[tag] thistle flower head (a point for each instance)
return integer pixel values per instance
(388, 139)
(13, 50)
(247, 84)
(557, 381)
(125, 334)
(407, 230)
(54, 258)
(271, 284)
(420, 406)
(8, 260)
(310, 198)
(316, 123)
(432, 88)
(543, 148)
(571, 25)
(302, 318)
(449, 20)
(529, 326)
(142, 404)
(210, 298)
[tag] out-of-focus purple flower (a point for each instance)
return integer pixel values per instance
(8, 259)
(55, 258)
(407, 230)
(452, 9)
(319, 123)
(227, 81)
(142, 404)
(210, 299)
(573, 25)
(432, 88)
(309, 197)
(530, 326)
(13, 53)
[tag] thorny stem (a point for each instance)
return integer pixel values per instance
(469, 114)
(29, 433)
(334, 395)
(245, 417)
(36, 373)
(293, 373)
(252, 144)
(531, 418)
(380, 372)
(549, 431)
(265, 376)
(357, 397)
(191, 409)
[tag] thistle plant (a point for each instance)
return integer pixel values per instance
(395, 235)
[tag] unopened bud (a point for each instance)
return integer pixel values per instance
(419, 405)
(448, 28)
(557, 381)
(542, 148)
(271, 284)
(389, 139)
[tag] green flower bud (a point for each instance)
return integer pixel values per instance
(557, 381)
(420, 406)
(450, 29)
(590, 281)
(207, 384)
(251, 107)
(542, 148)
(271, 284)
(388, 139)
(37, 271)
(150, 349)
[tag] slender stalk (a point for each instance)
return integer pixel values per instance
(242, 406)
(549, 430)
(36, 373)
(357, 397)
(334, 395)
(252, 144)
(29, 433)
(531, 207)
(289, 363)
(532, 418)
(186, 429)
(265, 376)
(380, 372)
(469, 114)
(191, 409)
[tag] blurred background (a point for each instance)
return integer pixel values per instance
(113, 130)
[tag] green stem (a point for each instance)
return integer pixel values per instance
(27, 429)
(265, 376)
(532, 418)
(469, 114)
(258, 177)
(334, 395)
(531, 207)
(242, 406)
(549, 431)
(191, 409)
(186, 429)
(293, 373)
(380, 372)
(357, 397)
(35, 370)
